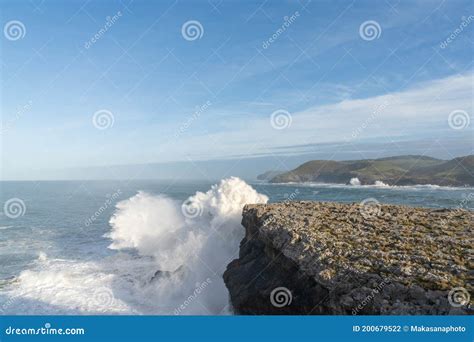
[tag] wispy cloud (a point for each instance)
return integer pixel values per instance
(419, 111)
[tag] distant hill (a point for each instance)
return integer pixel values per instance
(400, 170)
(266, 176)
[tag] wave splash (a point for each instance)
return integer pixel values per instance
(167, 261)
(355, 181)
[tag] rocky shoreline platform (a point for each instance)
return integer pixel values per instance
(346, 259)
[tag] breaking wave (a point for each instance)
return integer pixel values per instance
(355, 183)
(167, 261)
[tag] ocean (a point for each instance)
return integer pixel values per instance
(146, 247)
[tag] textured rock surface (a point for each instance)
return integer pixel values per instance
(351, 259)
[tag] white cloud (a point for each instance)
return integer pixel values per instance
(419, 111)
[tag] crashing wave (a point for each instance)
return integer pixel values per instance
(182, 255)
(381, 184)
(355, 181)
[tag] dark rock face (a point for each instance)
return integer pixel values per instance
(264, 269)
(330, 258)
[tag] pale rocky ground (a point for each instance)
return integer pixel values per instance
(352, 259)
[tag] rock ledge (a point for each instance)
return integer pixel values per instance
(333, 258)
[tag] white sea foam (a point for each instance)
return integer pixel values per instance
(381, 184)
(377, 185)
(355, 181)
(178, 269)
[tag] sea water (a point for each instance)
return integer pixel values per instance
(146, 247)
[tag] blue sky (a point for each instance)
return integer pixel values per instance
(174, 99)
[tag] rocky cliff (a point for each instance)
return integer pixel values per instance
(332, 258)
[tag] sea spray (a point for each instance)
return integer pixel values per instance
(191, 248)
(355, 181)
(164, 259)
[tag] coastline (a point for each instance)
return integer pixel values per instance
(368, 186)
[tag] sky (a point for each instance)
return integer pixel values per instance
(105, 89)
